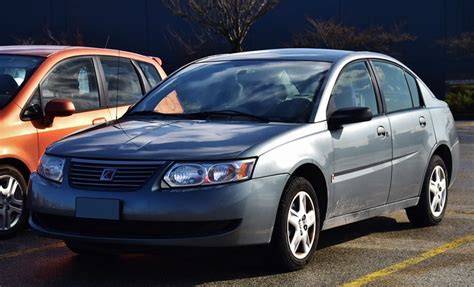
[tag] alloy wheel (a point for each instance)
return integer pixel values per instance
(301, 226)
(438, 186)
(11, 202)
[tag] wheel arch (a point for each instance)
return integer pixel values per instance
(444, 152)
(315, 176)
(18, 164)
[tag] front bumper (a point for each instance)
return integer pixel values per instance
(225, 215)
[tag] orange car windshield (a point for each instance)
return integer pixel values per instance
(14, 71)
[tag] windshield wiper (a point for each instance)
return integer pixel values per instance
(229, 113)
(156, 114)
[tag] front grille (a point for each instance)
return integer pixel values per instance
(134, 229)
(127, 176)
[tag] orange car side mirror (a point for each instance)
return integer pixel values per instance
(58, 108)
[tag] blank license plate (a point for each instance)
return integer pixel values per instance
(98, 208)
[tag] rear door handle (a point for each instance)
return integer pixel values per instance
(99, 121)
(422, 121)
(381, 132)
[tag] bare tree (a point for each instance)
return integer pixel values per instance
(461, 46)
(335, 35)
(231, 19)
(49, 38)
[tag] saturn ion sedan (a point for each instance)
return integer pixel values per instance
(257, 148)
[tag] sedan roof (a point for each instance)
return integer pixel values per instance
(301, 54)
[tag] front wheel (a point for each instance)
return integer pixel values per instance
(434, 196)
(297, 226)
(13, 214)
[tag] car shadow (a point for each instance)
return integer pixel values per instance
(359, 229)
(191, 266)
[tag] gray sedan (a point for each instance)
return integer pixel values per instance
(257, 148)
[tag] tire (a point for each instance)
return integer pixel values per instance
(433, 191)
(282, 254)
(13, 211)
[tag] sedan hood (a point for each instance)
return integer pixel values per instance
(136, 139)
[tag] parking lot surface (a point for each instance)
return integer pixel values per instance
(382, 251)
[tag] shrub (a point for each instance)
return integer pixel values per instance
(460, 99)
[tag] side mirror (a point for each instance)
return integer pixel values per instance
(58, 108)
(348, 116)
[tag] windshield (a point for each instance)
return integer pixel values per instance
(272, 90)
(14, 71)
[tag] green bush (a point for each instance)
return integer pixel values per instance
(460, 98)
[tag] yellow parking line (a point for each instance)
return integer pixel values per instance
(364, 280)
(31, 250)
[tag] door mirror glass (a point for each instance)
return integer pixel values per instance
(348, 116)
(58, 108)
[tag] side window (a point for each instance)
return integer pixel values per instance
(414, 91)
(73, 80)
(354, 88)
(151, 74)
(122, 81)
(394, 86)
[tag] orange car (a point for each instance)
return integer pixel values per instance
(47, 92)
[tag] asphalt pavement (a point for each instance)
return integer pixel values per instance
(385, 250)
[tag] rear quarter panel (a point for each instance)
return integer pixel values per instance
(444, 127)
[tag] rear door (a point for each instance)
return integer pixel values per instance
(412, 130)
(122, 83)
(73, 79)
(362, 151)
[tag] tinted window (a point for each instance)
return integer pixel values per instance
(394, 86)
(415, 94)
(14, 71)
(354, 89)
(151, 74)
(73, 80)
(122, 81)
(274, 90)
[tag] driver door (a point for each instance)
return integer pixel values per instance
(362, 151)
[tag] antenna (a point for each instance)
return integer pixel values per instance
(118, 83)
(107, 41)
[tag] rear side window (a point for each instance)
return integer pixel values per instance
(151, 74)
(73, 80)
(394, 86)
(414, 91)
(122, 81)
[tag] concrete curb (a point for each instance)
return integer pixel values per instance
(464, 124)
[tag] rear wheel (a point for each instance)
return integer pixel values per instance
(434, 196)
(13, 213)
(297, 226)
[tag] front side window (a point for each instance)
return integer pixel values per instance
(354, 88)
(14, 71)
(74, 80)
(272, 90)
(122, 81)
(394, 86)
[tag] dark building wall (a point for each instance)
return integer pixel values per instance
(141, 26)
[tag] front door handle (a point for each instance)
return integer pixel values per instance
(422, 121)
(381, 132)
(99, 121)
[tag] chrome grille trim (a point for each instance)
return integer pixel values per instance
(129, 175)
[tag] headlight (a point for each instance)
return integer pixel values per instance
(51, 167)
(194, 174)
